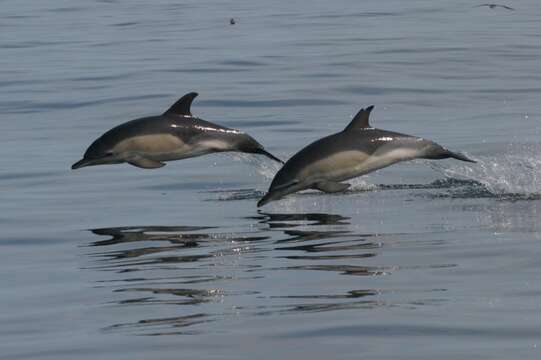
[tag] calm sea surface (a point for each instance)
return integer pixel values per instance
(422, 260)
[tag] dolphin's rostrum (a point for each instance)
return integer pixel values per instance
(176, 134)
(355, 151)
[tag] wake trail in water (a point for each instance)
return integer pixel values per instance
(512, 175)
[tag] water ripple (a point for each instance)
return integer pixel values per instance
(27, 106)
(270, 103)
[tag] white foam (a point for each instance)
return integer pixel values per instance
(517, 171)
(361, 184)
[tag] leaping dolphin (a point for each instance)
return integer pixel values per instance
(355, 151)
(176, 134)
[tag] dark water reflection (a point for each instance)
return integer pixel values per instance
(203, 274)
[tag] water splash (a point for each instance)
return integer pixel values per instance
(262, 165)
(516, 173)
(361, 184)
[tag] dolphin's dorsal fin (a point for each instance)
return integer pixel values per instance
(360, 121)
(182, 106)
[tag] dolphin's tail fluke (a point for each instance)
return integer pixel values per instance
(267, 154)
(436, 152)
(459, 156)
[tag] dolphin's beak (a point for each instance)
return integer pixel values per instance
(99, 161)
(270, 196)
(81, 163)
(264, 200)
(280, 191)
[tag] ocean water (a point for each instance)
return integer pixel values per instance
(421, 260)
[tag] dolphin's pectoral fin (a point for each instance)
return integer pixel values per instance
(330, 186)
(144, 163)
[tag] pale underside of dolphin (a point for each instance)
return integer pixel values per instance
(176, 134)
(357, 150)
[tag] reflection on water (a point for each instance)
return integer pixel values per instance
(288, 220)
(204, 274)
(171, 324)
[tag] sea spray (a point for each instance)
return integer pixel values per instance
(262, 166)
(515, 172)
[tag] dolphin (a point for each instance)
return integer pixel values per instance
(357, 150)
(176, 134)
